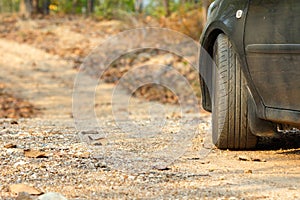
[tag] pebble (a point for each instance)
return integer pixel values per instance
(249, 171)
(20, 163)
(10, 151)
(5, 131)
(52, 196)
(23, 196)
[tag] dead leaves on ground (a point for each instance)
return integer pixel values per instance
(13, 107)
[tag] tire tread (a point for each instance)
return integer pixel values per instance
(230, 107)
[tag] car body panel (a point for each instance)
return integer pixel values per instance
(272, 43)
(269, 56)
(223, 20)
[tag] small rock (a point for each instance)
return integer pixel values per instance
(100, 165)
(161, 167)
(89, 132)
(249, 171)
(10, 151)
(13, 122)
(107, 169)
(52, 196)
(98, 141)
(193, 158)
(23, 196)
(168, 58)
(144, 57)
(82, 155)
(5, 131)
(204, 162)
(19, 163)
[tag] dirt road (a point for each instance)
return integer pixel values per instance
(71, 168)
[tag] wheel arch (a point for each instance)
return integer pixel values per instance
(257, 124)
(206, 64)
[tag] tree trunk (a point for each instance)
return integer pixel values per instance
(205, 4)
(90, 6)
(1, 6)
(35, 6)
(25, 8)
(74, 4)
(11, 6)
(167, 7)
(138, 6)
(46, 4)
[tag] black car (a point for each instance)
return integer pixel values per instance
(253, 89)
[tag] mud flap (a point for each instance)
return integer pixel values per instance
(259, 127)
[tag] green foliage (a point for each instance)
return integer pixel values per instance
(9, 6)
(70, 6)
(64, 6)
(107, 8)
(157, 9)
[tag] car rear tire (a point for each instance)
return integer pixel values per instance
(230, 98)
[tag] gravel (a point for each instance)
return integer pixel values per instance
(77, 170)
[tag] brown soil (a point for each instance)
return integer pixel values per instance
(60, 162)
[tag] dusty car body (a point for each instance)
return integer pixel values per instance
(265, 37)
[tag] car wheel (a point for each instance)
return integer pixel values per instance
(230, 95)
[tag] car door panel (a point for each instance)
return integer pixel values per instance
(272, 46)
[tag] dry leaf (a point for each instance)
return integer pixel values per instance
(10, 145)
(244, 158)
(258, 160)
(98, 141)
(161, 167)
(34, 153)
(17, 188)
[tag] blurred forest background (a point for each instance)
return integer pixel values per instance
(187, 16)
(70, 29)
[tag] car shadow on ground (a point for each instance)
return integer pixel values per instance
(285, 141)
